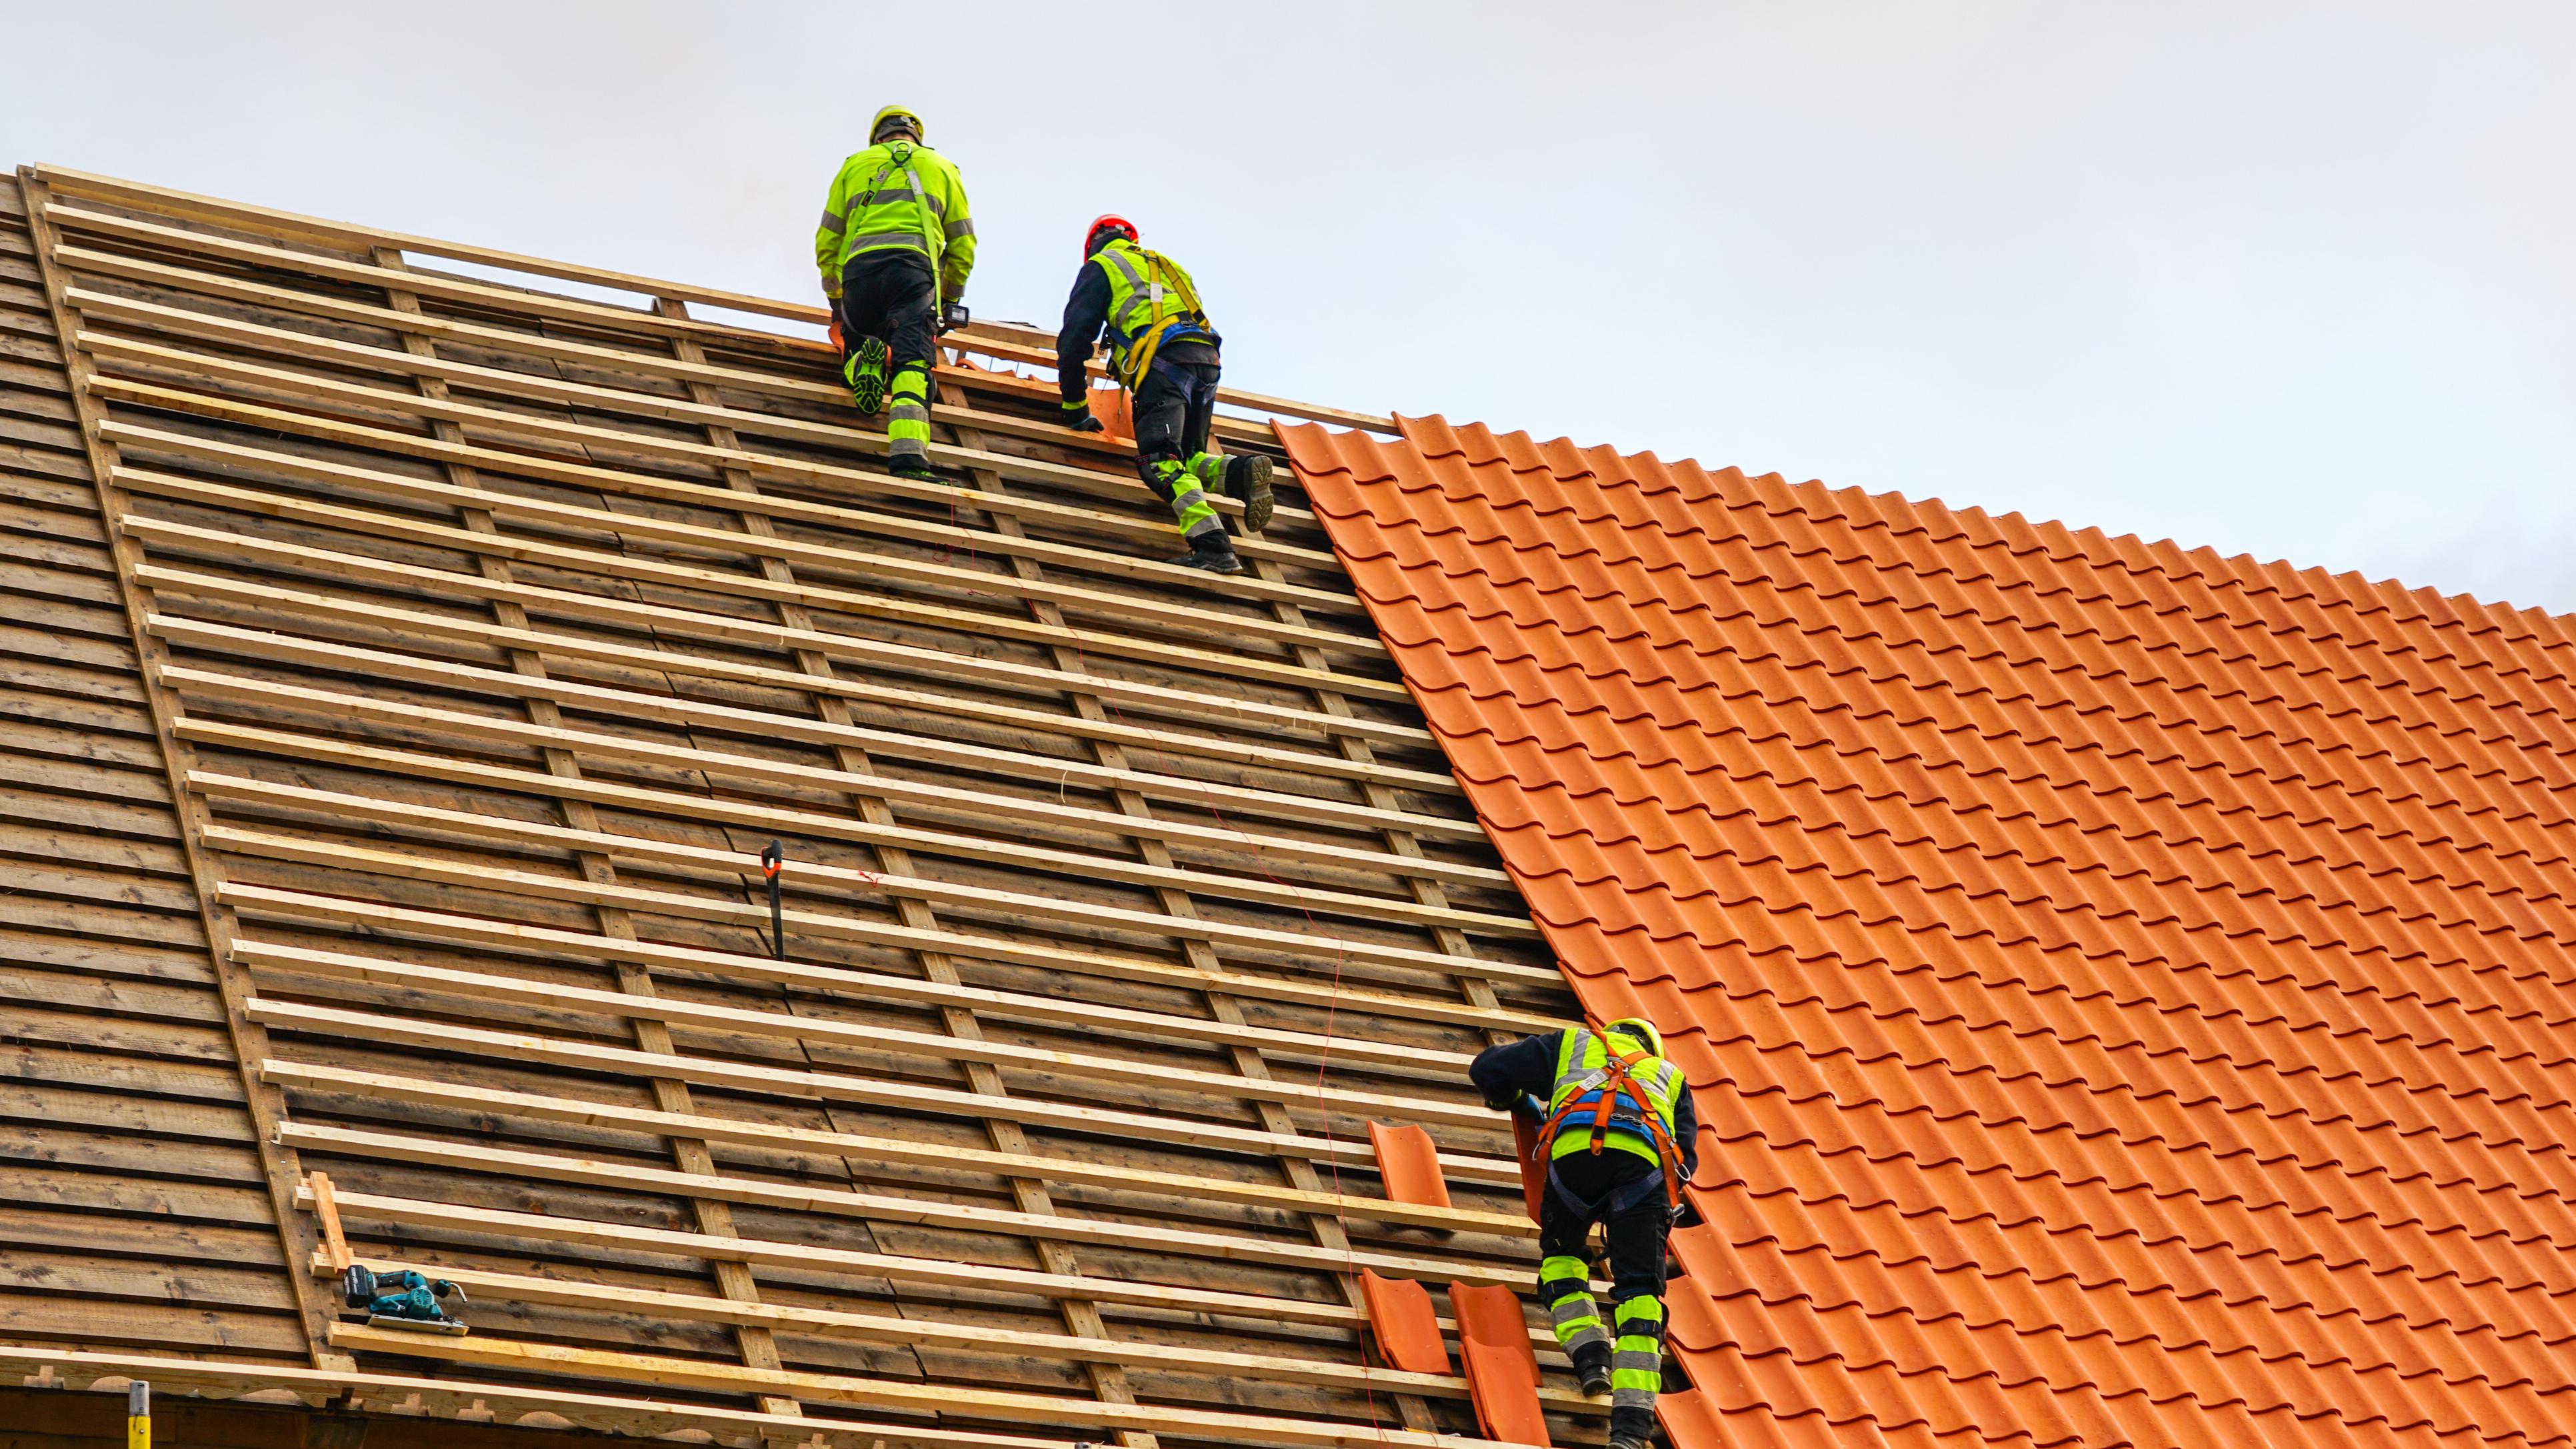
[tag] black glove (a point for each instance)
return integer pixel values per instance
(1503, 1103)
(1077, 416)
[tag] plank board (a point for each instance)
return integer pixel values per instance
(436, 656)
(131, 1167)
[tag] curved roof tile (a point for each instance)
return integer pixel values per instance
(2127, 988)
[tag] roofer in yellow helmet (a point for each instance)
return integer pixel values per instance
(895, 248)
(1619, 1138)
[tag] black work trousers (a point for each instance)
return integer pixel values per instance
(1635, 1238)
(1175, 405)
(894, 295)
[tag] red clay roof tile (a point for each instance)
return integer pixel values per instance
(2127, 989)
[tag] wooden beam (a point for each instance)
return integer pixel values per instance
(545, 1358)
(841, 436)
(974, 1338)
(443, 286)
(1139, 608)
(685, 712)
(779, 819)
(865, 1037)
(1110, 1176)
(544, 941)
(943, 1274)
(483, 1157)
(805, 877)
(465, 1399)
(802, 386)
(326, 1208)
(1091, 1019)
(292, 225)
(1160, 700)
(731, 765)
(656, 660)
(754, 1079)
(1018, 344)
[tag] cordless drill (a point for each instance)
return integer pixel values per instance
(402, 1299)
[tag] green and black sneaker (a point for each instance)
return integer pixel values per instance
(866, 374)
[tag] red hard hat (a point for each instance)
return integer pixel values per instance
(1106, 221)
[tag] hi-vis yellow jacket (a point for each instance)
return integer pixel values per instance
(1151, 300)
(900, 194)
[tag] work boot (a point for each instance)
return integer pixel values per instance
(1631, 1428)
(1592, 1366)
(1247, 477)
(913, 468)
(865, 372)
(1211, 551)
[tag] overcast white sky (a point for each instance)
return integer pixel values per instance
(2293, 280)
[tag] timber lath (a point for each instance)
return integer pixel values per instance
(491, 634)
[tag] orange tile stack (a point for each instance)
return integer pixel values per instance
(2127, 989)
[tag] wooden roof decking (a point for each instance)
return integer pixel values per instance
(490, 634)
(132, 1194)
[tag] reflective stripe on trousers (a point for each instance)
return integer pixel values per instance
(908, 414)
(1184, 486)
(1570, 1306)
(1637, 1355)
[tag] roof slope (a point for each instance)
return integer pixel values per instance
(2126, 988)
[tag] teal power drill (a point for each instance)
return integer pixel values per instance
(402, 1300)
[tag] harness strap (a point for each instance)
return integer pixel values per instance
(920, 199)
(1618, 1081)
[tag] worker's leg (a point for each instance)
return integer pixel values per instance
(893, 297)
(863, 332)
(1162, 407)
(909, 320)
(1636, 1241)
(1564, 1278)
(1242, 475)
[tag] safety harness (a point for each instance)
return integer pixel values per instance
(1607, 1084)
(1149, 287)
(900, 153)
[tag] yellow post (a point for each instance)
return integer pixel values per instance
(138, 1415)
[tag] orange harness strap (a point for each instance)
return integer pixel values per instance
(1620, 1083)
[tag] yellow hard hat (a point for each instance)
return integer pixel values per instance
(876, 128)
(1637, 1028)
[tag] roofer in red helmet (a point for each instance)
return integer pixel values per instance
(1161, 349)
(1618, 1137)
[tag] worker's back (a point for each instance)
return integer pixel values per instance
(1590, 1109)
(1152, 301)
(898, 194)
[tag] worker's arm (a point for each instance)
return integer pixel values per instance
(1086, 311)
(957, 262)
(827, 236)
(1503, 1073)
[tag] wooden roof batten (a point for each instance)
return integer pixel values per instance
(488, 633)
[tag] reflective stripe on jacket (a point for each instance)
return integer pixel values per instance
(1582, 1058)
(1151, 301)
(899, 194)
